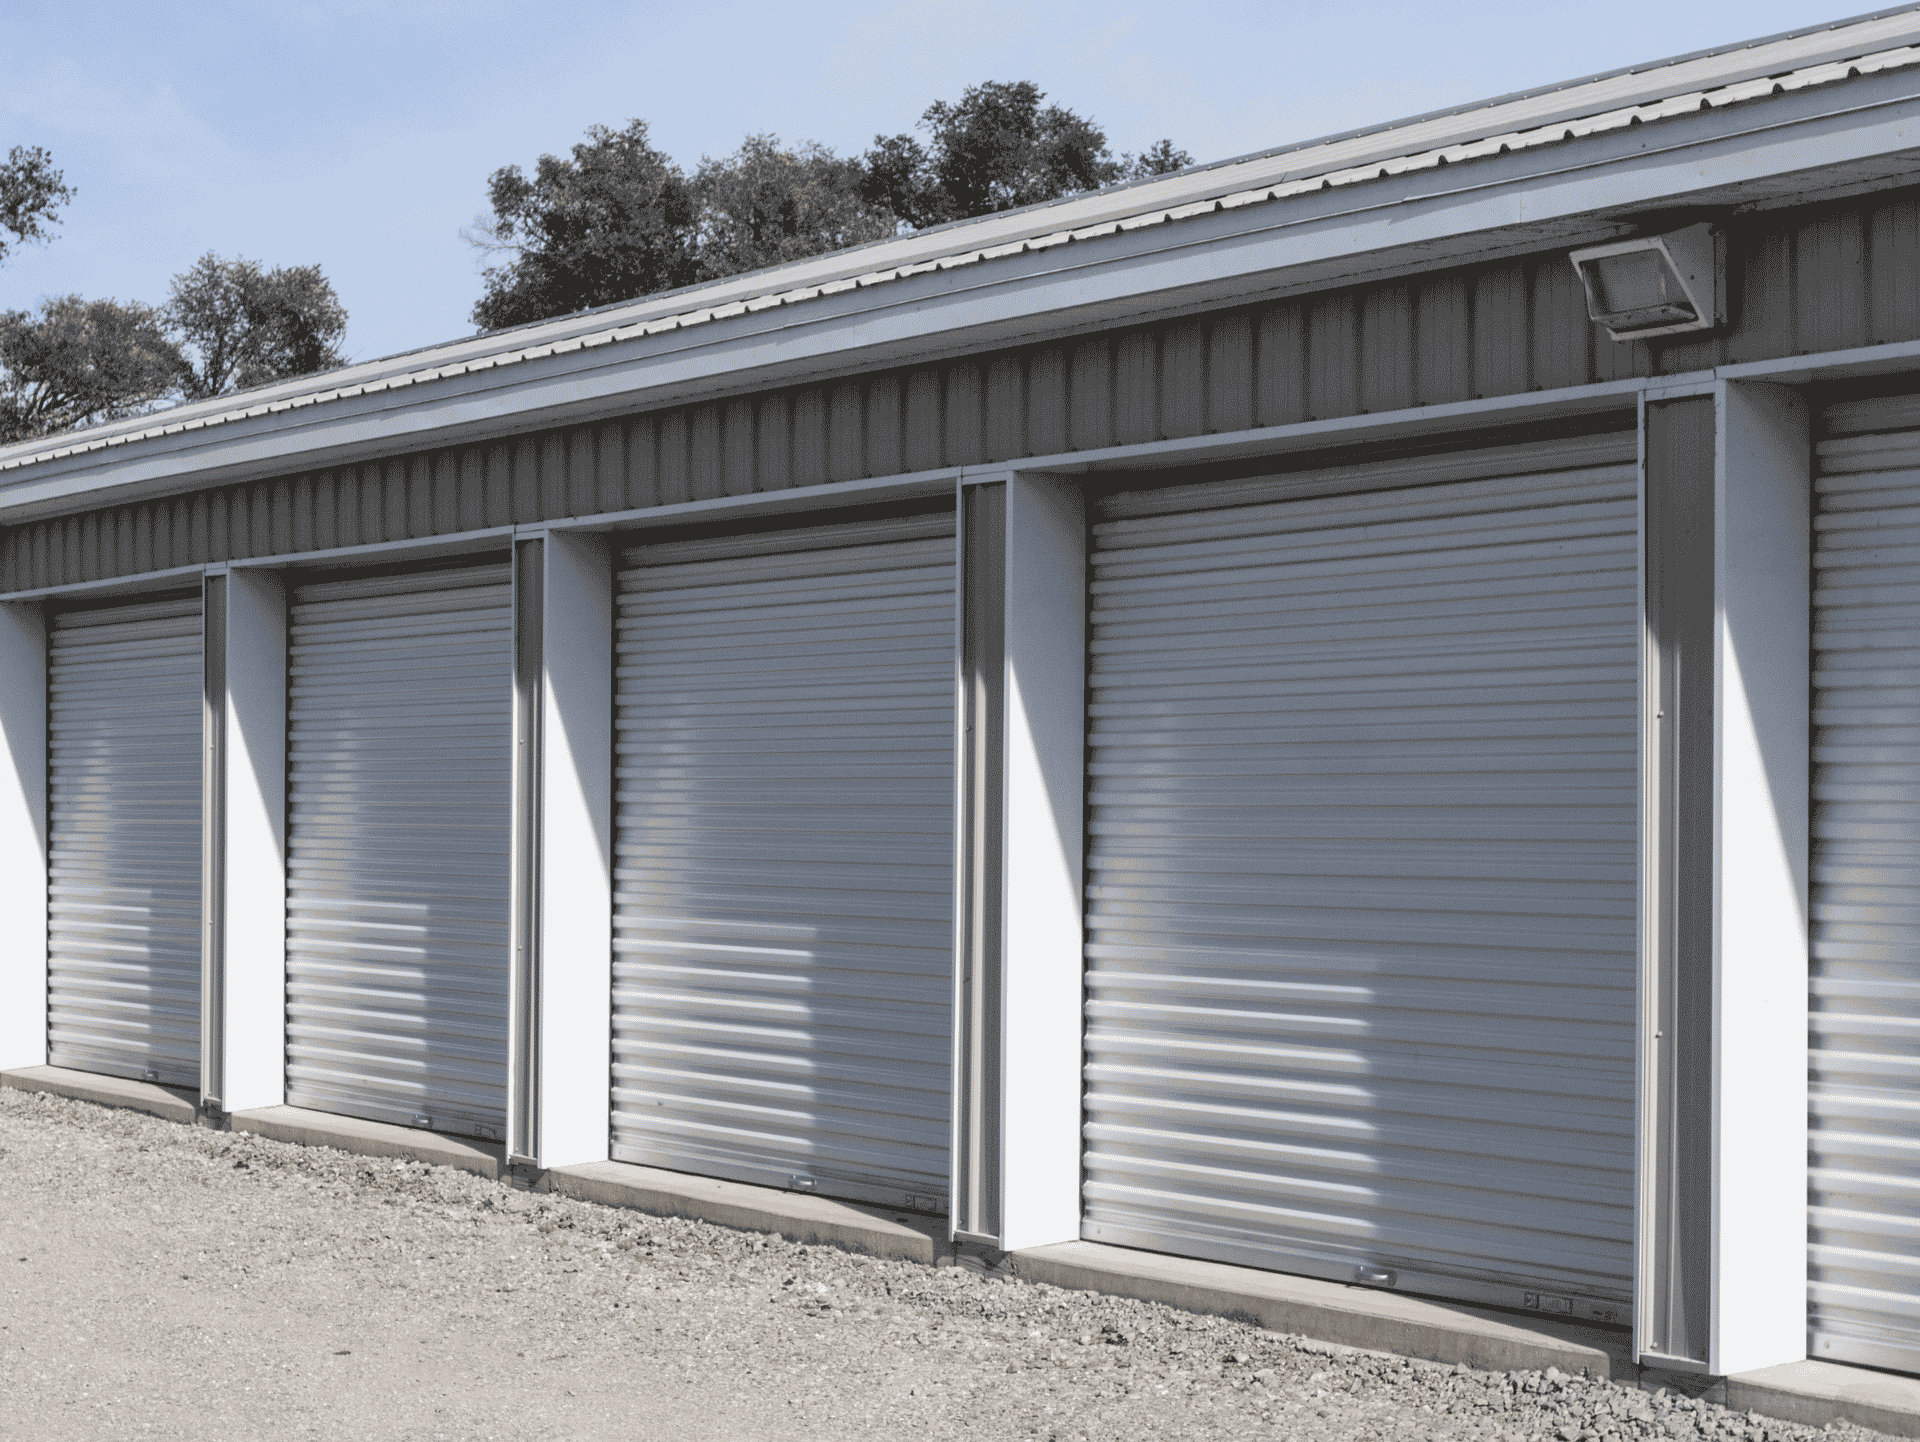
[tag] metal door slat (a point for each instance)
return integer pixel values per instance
(1360, 948)
(124, 740)
(400, 689)
(1864, 1181)
(783, 886)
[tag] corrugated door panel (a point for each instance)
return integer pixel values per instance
(783, 898)
(124, 904)
(1363, 786)
(399, 776)
(1865, 1035)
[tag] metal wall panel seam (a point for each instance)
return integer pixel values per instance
(1197, 450)
(524, 1021)
(213, 851)
(871, 490)
(1646, 932)
(110, 586)
(980, 822)
(960, 1164)
(1677, 1144)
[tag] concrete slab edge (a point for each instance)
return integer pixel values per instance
(799, 1217)
(1811, 1393)
(1816, 1393)
(371, 1139)
(107, 1091)
(1325, 1311)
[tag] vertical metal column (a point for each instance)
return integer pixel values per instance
(253, 826)
(213, 844)
(523, 1026)
(1676, 1191)
(979, 814)
(23, 834)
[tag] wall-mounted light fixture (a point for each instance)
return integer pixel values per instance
(1655, 284)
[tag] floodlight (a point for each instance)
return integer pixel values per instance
(1655, 284)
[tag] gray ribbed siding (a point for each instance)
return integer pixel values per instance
(1823, 278)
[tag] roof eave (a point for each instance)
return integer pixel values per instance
(1864, 133)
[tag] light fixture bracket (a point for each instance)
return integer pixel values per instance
(1654, 285)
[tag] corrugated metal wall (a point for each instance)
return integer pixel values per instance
(1799, 281)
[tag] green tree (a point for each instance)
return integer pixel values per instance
(31, 194)
(615, 221)
(765, 205)
(74, 362)
(997, 148)
(1162, 157)
(241, 325)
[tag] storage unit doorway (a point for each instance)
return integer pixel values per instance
(1363, 770)
(400, 695)
(784, 872)
(124, 747)
(1864, 1263)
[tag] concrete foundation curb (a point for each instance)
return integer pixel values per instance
(371, 1139)
(1817, 1393)
(1330, 1311)
(109, 1091)
(900, 1235)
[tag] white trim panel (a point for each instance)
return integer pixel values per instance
(1042, 861)
(1762, 568)
(23, 835)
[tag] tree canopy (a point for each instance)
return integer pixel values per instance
(997, 148)
(31, 194)
(240, 326)
(765, 205)
(614, 221)
(73, 362)
(617, 219)
(229, 325)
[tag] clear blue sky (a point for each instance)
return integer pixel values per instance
(359, 133)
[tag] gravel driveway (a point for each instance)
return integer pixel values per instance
(165, 1281)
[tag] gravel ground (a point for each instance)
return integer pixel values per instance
(164, 1281)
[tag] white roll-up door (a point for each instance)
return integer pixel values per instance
(124, 734)
(1865, 1003)
(1361, 939)
(783, 895)
(400, 693)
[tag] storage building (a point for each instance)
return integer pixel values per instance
(1353, 712)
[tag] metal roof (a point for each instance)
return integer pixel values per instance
(1613, 101)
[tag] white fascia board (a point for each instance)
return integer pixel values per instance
(1572, 194)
